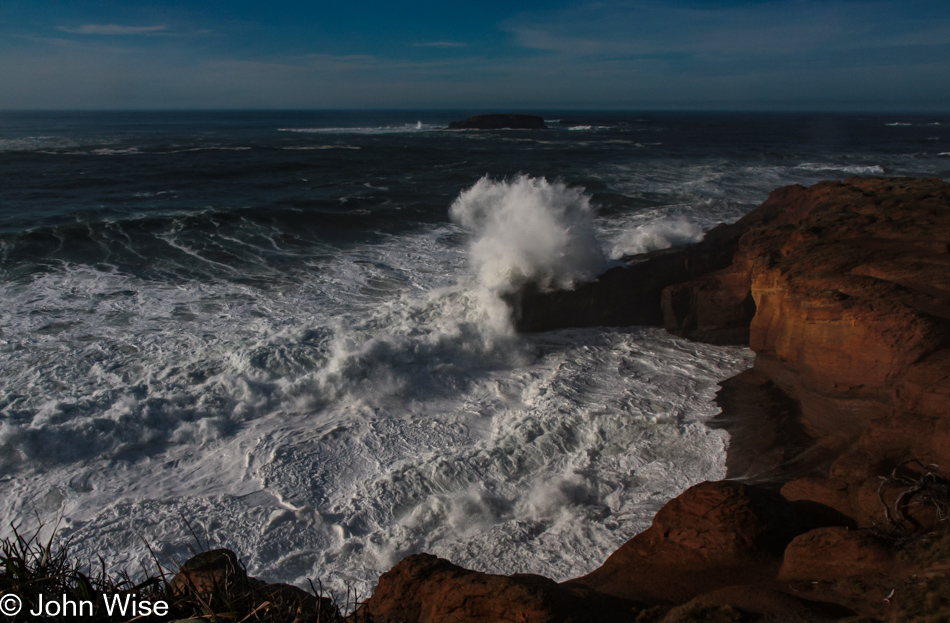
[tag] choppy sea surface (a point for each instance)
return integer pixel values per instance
(282, 331)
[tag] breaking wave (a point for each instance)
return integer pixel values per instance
(656, 235)
(873, 169)
(388, 129)
(529, 230)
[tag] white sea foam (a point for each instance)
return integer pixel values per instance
(389, 129)
(861, 169)
(369, 405)
(110, 151)
(209, 148)
(311, 147)
(35, 143)
(529, 230)
(661, 234)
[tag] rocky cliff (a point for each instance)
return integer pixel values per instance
(843, 292)
(719, 311)
(840, 432)
(852, 321)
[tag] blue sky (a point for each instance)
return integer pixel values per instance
(658, 54)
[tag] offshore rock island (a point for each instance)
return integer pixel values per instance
(836, 507)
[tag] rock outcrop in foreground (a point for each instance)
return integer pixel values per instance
(500, 122)
(425, 588)
(218, 581)
(841, 430)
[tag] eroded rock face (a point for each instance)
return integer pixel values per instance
(626, 295)
(768, 605)
(715, 534)
(851, 289)
(843, 291)
(425, 589)
(717, 309)
(835, 553)
(853, 298)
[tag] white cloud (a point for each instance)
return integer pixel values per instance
(786, 28)
(113, 29)
(633, 54)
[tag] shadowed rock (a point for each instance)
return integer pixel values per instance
(426, 589)
(215, 572)
(631, 294)
(715, 534)
(219, 581)
(834, 553)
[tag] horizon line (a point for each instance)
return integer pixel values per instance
(501, 109)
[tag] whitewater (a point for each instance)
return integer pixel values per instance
(325, 405)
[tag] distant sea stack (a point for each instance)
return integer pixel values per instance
(499, 122)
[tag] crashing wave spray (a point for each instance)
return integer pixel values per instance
(529, 230)
(525, 230)
(343, 420)
(657, 235)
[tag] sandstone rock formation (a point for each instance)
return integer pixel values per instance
(714, 535)
(499, 122)
(712, 554)
(852, 321)
(632, 294)
(833, 553)
(624, 295)
(426, 589)
(843, 292)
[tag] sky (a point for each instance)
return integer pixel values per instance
(830, 55)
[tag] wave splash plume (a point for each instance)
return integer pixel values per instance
(529, 230)
(661, 234)
(292, 346)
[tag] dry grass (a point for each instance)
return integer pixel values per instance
(923, 488)
(31, 566)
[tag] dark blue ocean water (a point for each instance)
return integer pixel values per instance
(76, 187)
(286, 326)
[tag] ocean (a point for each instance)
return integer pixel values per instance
(282, 332)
